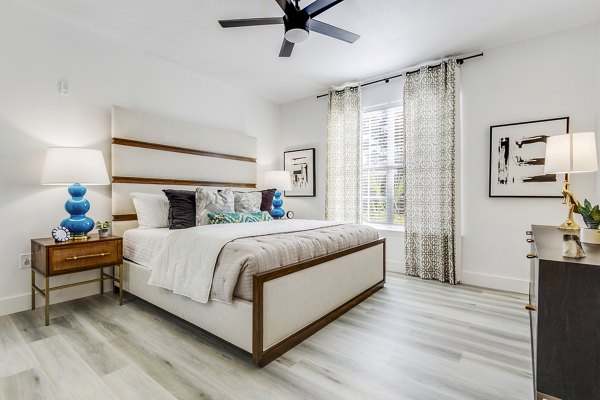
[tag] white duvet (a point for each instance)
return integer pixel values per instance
(187, 259)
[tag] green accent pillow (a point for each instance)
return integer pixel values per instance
(235, 218)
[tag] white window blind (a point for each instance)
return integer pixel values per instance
(382, 157)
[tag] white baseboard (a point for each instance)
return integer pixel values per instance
(495, 282)
(22, 302)
(395, 266)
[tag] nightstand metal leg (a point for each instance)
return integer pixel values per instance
(47, 298)
(32, 290)
(101, 280)
(121, 284)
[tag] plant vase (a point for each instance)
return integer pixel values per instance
(591, 218)
(103, 233)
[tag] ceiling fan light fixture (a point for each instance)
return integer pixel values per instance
(296, 35)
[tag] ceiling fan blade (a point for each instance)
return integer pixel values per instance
(286, 48)
(319, 6)
(286, 6)
(234, 23)
(332, 31)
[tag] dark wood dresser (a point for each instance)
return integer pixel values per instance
(564, 296)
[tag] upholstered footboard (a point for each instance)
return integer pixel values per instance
(290, 303)
(293, 302)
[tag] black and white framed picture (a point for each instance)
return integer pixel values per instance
(517, 157)
(301, 165)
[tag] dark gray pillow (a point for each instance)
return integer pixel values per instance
(267, 200)
(182, 208)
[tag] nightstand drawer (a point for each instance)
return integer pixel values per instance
(81, 256)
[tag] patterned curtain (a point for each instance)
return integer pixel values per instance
(429, 111)
(342, 197)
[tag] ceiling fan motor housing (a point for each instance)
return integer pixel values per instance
(296, 27)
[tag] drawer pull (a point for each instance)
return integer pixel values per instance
(529, 233)
(530, 307)
(530, 240)
(87, 256)
(531, 255)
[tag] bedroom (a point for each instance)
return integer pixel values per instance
(172, 59)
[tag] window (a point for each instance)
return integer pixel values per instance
(382, 155)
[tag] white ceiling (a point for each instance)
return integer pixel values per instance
(394, 34)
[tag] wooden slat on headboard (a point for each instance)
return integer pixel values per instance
(124, 217)
(176, 149)
(183, 182)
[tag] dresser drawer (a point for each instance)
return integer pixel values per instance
(84, 255)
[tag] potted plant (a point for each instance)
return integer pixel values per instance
(103, 228)
(591, 218)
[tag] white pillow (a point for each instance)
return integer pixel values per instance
(246, 202)
(208, 201)
(152, 210)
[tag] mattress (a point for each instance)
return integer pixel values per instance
(240, 259)
(143, 245)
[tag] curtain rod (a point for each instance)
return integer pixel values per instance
(459, 61)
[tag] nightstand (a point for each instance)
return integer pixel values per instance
(49, 258)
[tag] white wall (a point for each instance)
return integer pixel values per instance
(550, 76)
(304, 125)
(37, 51)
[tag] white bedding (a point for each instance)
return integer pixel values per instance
(186, 261)
(143, 245)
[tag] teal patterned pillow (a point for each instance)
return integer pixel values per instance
(224, 218)
(258, 216)
(234, 218)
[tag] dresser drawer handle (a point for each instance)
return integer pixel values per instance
(529, 233)
(530, 307)
(531, 255)
(87, 256)
(530, 240)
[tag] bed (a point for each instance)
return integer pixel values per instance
(266, 310)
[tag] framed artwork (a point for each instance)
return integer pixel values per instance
(517, 157)
(301, 165)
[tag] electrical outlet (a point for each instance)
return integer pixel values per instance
(25, 261)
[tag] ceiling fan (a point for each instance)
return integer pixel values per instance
(298, 23)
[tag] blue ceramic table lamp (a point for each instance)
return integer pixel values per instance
(280, 180)
(75, 167)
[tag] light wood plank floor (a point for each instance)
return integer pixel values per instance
(412, 340)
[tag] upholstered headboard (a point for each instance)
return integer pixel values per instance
(152, 152)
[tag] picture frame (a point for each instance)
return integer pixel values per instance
(517, 156)
(301, 165)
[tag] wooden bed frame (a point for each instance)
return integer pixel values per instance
(289, 303)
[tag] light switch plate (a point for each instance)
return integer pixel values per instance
(63, 87)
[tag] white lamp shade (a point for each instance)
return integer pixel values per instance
(281, 180)
(575, 152)
(68, 165)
